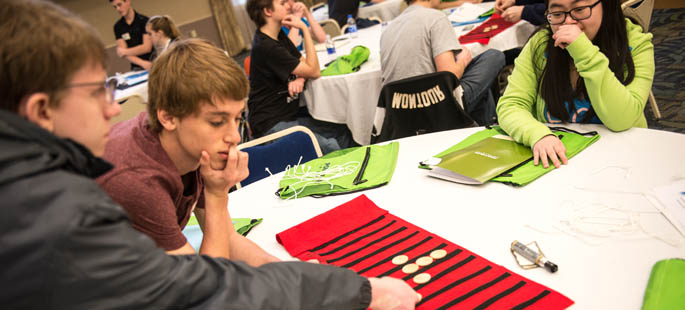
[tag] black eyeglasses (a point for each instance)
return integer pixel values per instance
(110, 86)
(579, 13)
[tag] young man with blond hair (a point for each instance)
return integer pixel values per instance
(66, 244)
(183, 152)
(133, 43)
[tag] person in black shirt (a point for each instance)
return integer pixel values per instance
(339, 9)
(277, 75)
(129, 31)
(532, 11)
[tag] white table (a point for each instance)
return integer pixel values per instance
(486, 219)
(352, 98)
(138, 90)
(386, 10)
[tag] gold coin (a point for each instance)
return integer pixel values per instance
(424, 261)
(410, 268)
(400, 259)
(438, 254)
(493, 27)
(487, 29)
(422, 278)
(419, 296)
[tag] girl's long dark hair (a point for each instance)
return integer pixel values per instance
(612, 40)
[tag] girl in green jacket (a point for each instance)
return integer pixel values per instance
(588, 65)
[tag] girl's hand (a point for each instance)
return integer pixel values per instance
(566, 34)
(549, 146)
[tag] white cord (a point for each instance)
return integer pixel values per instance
(304, 175)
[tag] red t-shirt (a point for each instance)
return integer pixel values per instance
(146, 183)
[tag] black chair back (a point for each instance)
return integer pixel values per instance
(418, 105)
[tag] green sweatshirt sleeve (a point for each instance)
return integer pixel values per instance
(516, 109)
(618, 106)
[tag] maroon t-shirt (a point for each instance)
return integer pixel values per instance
(146, 183)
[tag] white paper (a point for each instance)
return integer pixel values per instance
(466, 12)
(672, 200)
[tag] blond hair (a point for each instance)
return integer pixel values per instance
(165, 24)
(192, 72)
(43, 46)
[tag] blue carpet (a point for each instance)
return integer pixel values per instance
(668, 28)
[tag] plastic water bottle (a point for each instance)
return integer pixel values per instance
(351, 26)
(330, 48)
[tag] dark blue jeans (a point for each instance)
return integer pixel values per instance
(478, 76)
(331, 137)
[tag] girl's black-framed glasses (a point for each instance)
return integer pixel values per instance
(578, 13)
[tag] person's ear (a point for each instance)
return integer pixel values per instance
(36, 109)
(268, 12)
(168, 121)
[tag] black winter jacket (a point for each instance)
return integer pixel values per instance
(64, 244)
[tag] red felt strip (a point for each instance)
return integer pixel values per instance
(336, 222)
(356, 232)
(479, 35)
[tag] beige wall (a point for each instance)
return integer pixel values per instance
(102, 16)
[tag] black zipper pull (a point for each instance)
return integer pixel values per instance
(358, 180)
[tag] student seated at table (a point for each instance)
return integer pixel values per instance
(129, 30)
(421, 41)
(183, 152)
(162, 33)
(590, 65)
(277, 75)
(66, 244)
(299, 10)
(532, 11)
(339, 9)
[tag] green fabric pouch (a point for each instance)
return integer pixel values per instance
(527, 172)
(347, 63)
(666, 286)
(341, 172)
(241, 225)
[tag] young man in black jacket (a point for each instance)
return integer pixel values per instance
(65, 243)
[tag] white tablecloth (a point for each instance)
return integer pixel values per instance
(485, 219)
(351, 98)
(139, 90)
(386, 10)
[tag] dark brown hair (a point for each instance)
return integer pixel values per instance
(555, 84)
(190, 73)
(43, 46)
(255, 8)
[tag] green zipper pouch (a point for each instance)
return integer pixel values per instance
(666, 286)
(341, 172)
(347, 63)
(242, 225)
(527, 172)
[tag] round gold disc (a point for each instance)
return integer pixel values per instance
(400, 259)
(422, 278)
(424, 261)
(410, 268)
(419, 296)
(493, 27)
(438, 254)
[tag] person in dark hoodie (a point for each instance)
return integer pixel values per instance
(65, 243)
